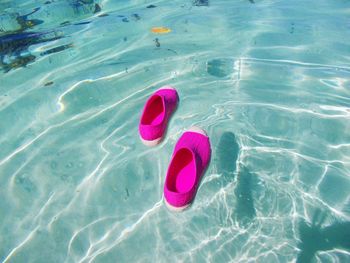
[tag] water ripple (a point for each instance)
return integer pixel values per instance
(268, 81)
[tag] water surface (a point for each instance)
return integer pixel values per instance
(268, 81)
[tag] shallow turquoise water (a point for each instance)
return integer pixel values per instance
(268, 80)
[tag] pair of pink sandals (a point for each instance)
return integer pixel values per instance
(191, 155)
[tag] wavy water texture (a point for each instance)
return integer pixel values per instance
(267, 80)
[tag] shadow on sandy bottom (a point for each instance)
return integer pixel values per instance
(227, 155)
(244, 210)
(316, 238)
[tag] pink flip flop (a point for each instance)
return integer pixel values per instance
(189, 161)
(156, 114)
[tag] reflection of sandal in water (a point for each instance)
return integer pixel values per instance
(156, 113)
(189, 161)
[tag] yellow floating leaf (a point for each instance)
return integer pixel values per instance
(160, 30)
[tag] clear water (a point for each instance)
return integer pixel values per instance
(268, 80)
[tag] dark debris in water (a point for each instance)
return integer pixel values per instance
(14, 48)
(156, 40)
(127, 193)
(49, 83)
(151, 6)
(200, 2)
(65, 23)
(97, 9)
(172, 50)
(82, 23)
(136, 17)
(291, 28)
(18, 62)
(26, 23)
(15, 45)
(56, 49)
(251, 1)
(125, 20)
(103, 15)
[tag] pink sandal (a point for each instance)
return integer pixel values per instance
(156, 114)
(189, 162)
